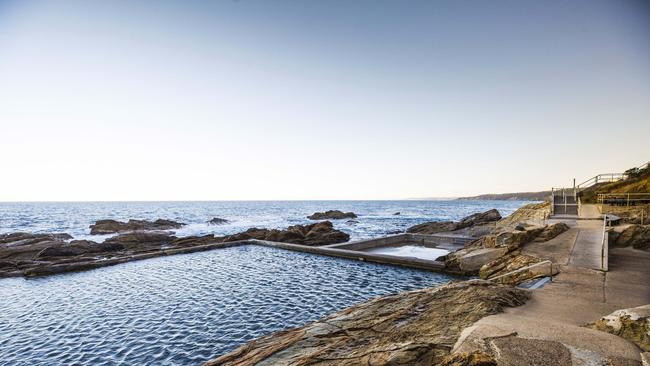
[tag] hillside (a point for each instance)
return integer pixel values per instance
(519, 196)
(639, 182)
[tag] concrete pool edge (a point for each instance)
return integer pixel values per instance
(409, 262)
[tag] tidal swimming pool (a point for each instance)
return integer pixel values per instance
(183, 309)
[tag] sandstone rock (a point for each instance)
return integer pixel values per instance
(534, 213)
(194, 240)
(468, 359)
(479, 219)
(632, 324)
(473, 261)
(551, 231)
(415, 328)
(515, 265)
(429, 228)
(636, 236)
(217, 221)
(113, 226)
(332, 215)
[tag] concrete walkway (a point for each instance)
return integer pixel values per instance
(579, 295)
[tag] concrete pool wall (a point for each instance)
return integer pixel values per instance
(353, 250)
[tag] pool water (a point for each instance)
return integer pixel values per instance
(413, 251)
(183, 309)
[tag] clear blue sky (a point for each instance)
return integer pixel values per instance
(161, 100)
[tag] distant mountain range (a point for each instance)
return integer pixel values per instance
(519, 196)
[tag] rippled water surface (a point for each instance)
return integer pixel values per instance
(376, 218)
(183, 309)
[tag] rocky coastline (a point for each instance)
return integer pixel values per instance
(26, 254)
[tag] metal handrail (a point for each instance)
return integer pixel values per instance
(626, 197)
(604, 263)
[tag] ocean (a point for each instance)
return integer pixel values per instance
(376, 218)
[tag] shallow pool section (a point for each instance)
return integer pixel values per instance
(183, 309)
(410, 251)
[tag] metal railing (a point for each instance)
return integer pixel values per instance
(604, 250)
(601, 178)
(623, 199)
(564, 198)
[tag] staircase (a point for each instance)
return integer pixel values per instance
(564, 201)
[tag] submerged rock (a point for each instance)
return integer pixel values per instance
(217, 221)
(411, 328)
(113, 226)
(332, 215)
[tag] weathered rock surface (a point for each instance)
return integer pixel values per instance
(332, 215)
(217, 221)
(489, 248)
(113, 226)
(551, 231)
(632, 324)
(79, 247)
(477, 219)
(635, 236)
(531, 213)
(320, 233)
(411, 328)
(433, 227)
(520, 268)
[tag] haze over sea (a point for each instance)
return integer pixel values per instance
(376, 218)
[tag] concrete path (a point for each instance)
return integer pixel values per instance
(589, 212)
(576, 297)
(588, 247)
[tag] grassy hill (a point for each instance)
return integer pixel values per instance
(638, 182)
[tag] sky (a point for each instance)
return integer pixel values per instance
(274, 100)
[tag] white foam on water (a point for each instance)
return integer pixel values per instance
(413, 251)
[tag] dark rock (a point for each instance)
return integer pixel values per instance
(190, 241)
(432, 227)
(80, 247)
(142, 240)
(397, 213)
(218, 221)
(113, 226)
(23, 239)
(352, 222)
(321, 233)
(332, 215)
(479, 219)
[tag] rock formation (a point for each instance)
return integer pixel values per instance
(41, 254)
(113, 226)
(332, 215)
(411, 328)
(320, 233)
(499, 253)
(632, 324)
(635, 236)
(477, 219)
(217, 221)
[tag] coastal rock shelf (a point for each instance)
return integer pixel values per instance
(401, 329)
(43, 254)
